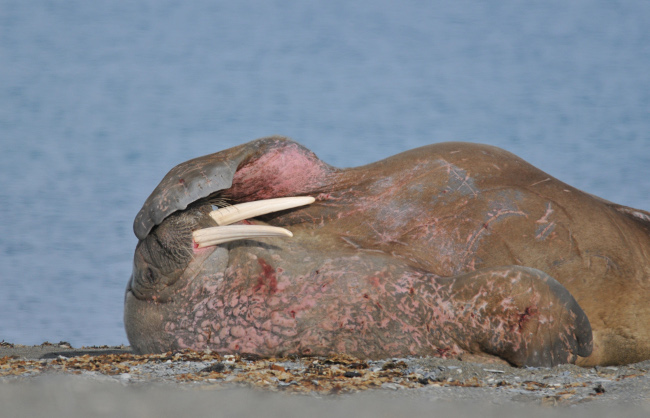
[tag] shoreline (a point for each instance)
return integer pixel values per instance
(408, 381)
(48, 349)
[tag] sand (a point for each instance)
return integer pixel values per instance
(57, 380)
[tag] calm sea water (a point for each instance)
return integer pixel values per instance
(98, 99)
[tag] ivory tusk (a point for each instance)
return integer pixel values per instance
(235, 213)
(219, 234)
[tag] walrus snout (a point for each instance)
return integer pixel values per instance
(163, 255)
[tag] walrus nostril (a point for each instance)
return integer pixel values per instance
(169, 245)
(149, 276)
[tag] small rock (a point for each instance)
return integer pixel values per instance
(429, 377)
(277, 368)
(217, 367)
(394, 365)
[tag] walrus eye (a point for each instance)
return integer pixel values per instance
(230, 214)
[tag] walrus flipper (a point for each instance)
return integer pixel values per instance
(521, 315)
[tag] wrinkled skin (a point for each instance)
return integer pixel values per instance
(452, 249)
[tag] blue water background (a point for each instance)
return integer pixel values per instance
(99, 99)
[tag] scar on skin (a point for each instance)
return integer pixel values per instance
(268, 274)
(549, 211)
(544, 232)
(540, 182)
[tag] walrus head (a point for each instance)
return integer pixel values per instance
(180, 224)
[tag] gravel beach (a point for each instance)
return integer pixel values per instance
(58, 380)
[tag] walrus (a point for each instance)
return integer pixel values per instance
(452, 249)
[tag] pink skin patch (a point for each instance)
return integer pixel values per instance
(287, 171)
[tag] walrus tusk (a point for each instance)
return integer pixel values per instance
(219, 234)
(235, 213)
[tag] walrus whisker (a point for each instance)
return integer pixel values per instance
(220, 234)
(218, 202)
(235, 213)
